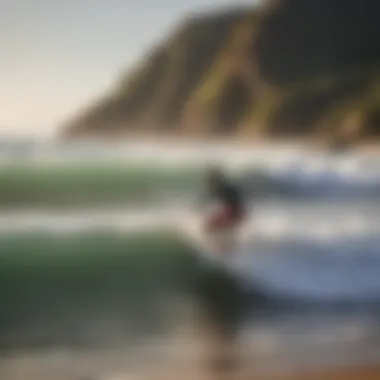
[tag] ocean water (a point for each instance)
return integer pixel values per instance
(114, 285)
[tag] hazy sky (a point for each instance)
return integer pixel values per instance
(56, 55)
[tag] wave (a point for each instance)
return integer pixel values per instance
(334, 271)
(101, 286)
(327, 184)
(283, 172)
(325, 177)
(90, 288)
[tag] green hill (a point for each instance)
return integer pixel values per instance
(288, 69)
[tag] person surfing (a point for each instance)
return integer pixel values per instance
(220, 293)
(228, 211)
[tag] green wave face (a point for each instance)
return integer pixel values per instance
(87, 288)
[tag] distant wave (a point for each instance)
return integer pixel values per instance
(298, 181)
(287, 171)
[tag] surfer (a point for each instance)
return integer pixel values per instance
(227, 209)
(221, 297)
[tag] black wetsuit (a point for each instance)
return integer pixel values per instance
(229, 195)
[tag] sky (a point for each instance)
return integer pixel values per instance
(58, 55)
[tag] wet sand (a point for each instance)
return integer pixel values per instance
(361, 373)
(192, 354)
(110, 368)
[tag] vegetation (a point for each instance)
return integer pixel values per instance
(286, 69)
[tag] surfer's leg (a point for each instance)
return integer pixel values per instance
(221, 230)
(222, 241)
(219, 317)
(227, 241)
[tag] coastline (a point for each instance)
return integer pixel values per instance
(175, 140)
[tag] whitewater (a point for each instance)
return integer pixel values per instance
(320, 241)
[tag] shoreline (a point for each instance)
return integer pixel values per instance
(187, 143)
(123, 365)
(238, 141)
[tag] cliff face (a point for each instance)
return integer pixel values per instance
(291, 68)
(323, 57)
